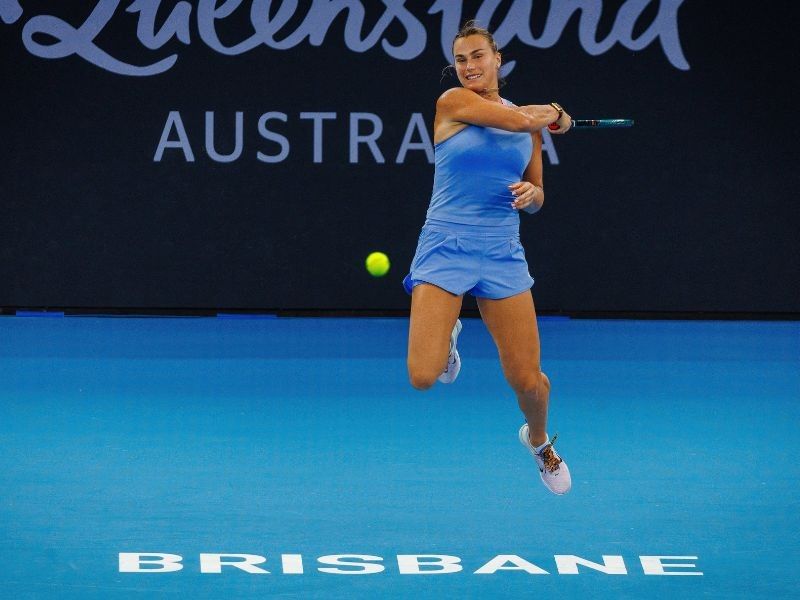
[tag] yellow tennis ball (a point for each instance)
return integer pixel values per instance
(378, 264)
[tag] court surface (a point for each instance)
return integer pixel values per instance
(278, 437)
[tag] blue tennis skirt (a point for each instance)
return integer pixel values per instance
(485, 261)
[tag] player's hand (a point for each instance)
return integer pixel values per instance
(525, 193)
(562, 125)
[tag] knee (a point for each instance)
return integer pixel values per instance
(545, 381)
(420, 378)
(530, 382)
(422, 381)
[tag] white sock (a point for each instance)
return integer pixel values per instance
(540, 448)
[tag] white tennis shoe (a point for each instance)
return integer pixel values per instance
(552, 468)
(453, 359)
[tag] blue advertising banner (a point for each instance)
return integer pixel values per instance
(250, 154)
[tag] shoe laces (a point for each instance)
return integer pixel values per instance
(549, 457)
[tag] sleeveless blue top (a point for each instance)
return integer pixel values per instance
(472, 172)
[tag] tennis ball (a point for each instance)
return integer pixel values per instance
(378, 264)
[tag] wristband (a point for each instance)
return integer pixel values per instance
(560, 110)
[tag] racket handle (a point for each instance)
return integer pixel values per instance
(552, 126)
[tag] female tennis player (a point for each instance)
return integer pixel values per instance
(488, 167)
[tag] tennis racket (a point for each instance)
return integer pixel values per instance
(597, 123)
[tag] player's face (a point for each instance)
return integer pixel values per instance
(477, 65)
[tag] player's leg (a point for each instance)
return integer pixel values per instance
(433, 314)
(512, 323)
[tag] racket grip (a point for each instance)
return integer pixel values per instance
(553, 126)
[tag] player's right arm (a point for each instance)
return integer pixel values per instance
(463, 106)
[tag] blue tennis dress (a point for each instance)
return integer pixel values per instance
(470, 240)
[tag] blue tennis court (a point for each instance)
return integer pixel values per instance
(288, 457)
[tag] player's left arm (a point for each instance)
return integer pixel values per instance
(530, 191)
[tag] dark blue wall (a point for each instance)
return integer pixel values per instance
(694, 209)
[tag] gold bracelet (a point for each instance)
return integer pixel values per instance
(560, 110)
